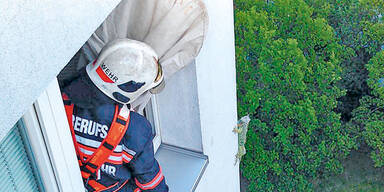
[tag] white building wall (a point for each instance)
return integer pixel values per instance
(216, 83)
(37, 39)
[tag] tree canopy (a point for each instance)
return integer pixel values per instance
(298, 63)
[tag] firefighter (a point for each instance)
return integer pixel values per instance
(113, 143)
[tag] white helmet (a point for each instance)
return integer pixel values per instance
(125, 69)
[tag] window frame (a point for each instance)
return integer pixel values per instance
(51, 142)
(152, 115)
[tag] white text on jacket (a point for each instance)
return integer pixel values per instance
(89, 127)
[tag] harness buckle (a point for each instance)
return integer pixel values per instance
(83, 168)
(86, 182)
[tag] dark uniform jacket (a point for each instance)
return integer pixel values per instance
(133, 159)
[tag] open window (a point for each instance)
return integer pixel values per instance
(176, 31)
(175, 113)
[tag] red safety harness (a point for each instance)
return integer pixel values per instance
(90, 166)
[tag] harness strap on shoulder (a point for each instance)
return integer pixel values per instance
(114, 136)
(116, 132)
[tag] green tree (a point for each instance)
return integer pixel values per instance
(368, 119)
(359, 26)
(359, 29)
(287, 71)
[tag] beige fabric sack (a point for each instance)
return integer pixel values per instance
(175, 29)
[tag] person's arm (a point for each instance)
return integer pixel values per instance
(146, 171)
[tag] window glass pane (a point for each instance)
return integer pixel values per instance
(17, 173)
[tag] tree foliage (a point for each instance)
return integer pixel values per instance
(288, 68)
(359, 28)
(368, 119)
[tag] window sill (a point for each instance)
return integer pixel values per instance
(182, 168)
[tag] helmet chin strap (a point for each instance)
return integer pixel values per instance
(124, 112)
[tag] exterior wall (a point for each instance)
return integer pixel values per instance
(37, 39)
(216, 83)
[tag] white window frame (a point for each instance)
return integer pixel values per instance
(51, 142)
(152, 115)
